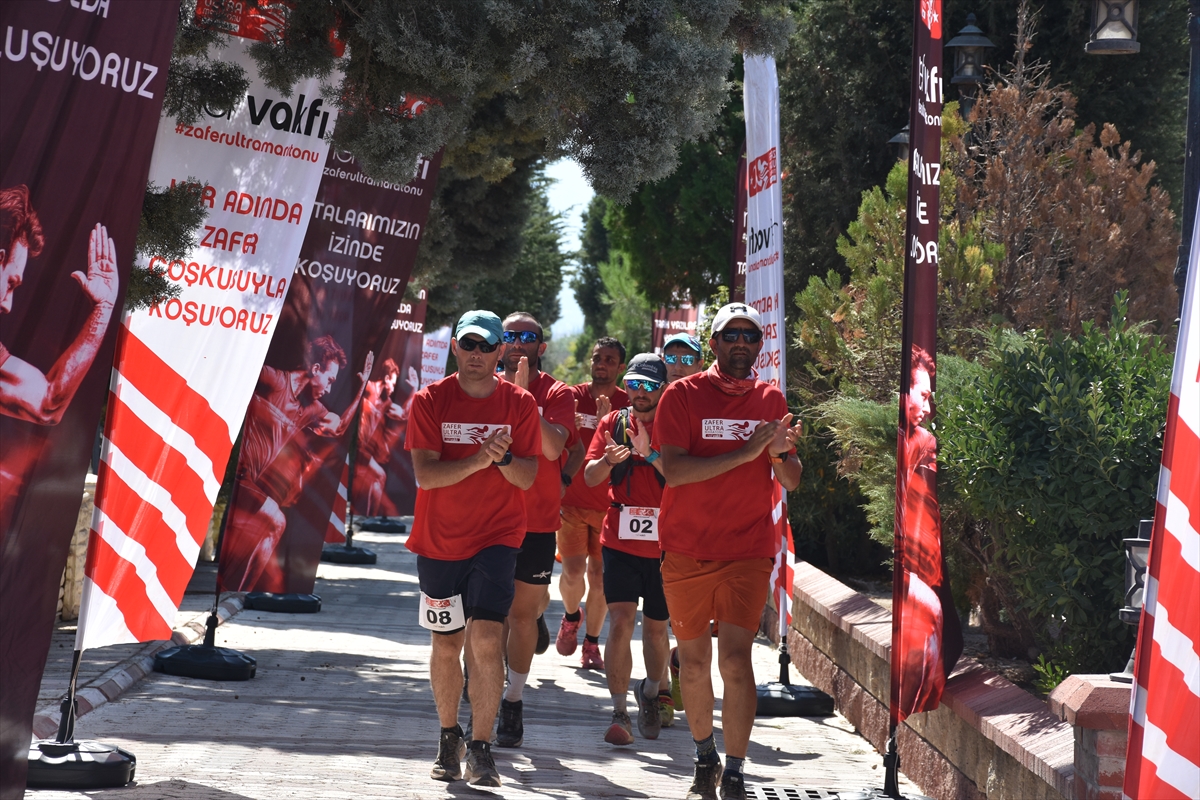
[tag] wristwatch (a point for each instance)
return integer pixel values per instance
(780, 458)
(566, 479)
(650, 459)
(504, 462)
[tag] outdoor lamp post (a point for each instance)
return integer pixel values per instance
(1137, 561)
(1114, 28)
(901, 142)
(968, 47)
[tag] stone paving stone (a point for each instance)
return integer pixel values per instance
(341, 708)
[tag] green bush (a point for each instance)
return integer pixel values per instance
(1056, 448)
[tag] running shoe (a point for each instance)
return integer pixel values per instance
(704, 782)
(481, 767)
(620, 732)
(591, 656)
(676, 692)
(649, 719)
(543, 642)
(510, 731)
(568, 635)
(733, 786)
(666, 708)
(451, 750)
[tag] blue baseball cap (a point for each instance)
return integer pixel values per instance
(685, 339)
(484, 324)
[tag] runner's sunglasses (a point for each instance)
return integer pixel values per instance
(526, 337)
(687, 361)
(471, 344)
(731, 335)
(645, 386)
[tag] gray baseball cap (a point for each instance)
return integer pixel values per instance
(647, 366)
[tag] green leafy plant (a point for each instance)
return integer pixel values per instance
(1049, 674)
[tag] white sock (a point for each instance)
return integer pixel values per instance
(650, 689)
(516, 685)
(619, 702)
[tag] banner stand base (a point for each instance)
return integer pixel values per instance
(78, 765)
(783, 699)
(206, 663)
(348, 554)
(289, 603)
(381, 525)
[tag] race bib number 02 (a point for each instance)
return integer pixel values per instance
(442, 615)
(638, 522)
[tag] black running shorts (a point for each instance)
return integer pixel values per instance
(485, 581)
(628, 577)
(535, 564)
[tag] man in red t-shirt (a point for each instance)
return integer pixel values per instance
(584, 507)
(621, 460)
(723, 435)
(475, 441)
(523, 349)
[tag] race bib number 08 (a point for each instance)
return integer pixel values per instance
(442, 615)
(638, 522)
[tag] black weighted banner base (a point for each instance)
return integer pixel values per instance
(290, 603)
(788, 700)
(206, 663)
(78, 765)
(347, 554)
(380, 525)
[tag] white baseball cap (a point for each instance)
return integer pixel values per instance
(732, 311)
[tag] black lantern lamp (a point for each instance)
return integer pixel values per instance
(969, 47)
(1114, 28)
(1137, 562)
(900, 140)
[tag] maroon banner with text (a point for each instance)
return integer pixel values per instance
(668, 321)
(384, 484)
(926, 637)
(737, 259)
(357, 256)
(80, 98)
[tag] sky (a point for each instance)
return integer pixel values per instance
(569, 194)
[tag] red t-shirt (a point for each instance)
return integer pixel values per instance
(639, 488)
(728, 517)
(556, 404)
(456, 522)
(579, 494)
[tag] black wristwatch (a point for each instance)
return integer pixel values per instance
(504, 462)
(566, 479)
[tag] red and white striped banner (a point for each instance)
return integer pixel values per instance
(185, 369)
(336, 532)
(783, 572)
(1163, 759)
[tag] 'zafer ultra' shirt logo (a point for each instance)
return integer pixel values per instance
(735, 429)
(589, 421)
(469, 432)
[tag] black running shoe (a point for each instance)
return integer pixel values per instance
(451, 750)
(543, 642)
(649, 719)
(481, 767)
(510, 731)
(733, 786)
(704, 784)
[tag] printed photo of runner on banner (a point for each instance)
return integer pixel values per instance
(76, 136)
(347, 285)
(926, 636)
(384, 484)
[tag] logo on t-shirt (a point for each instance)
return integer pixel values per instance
(736, 429)
(590, 421)
(469, 432)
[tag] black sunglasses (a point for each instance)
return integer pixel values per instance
(471, 344)
(730, 335)
(526, 337)
(687, 361)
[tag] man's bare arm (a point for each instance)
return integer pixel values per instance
(576, 455)
(554, 438)
(27, 394)
(521, 471)
(333, 425)
(680, 469)
(434, 473)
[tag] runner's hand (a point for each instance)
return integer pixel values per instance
(786, 436)
(101, 281)
(614, 453)
(522, 377)
(367, 365)
(414, 380)
(603, 406)
(639, 435)
(762, 436)
(578, 417)
(495, 446)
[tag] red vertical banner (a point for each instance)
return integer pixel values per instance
(737, 259)
(384, 482)
(79, 103)
(358, 252)
(926, 640)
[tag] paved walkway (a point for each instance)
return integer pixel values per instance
(341, 708)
